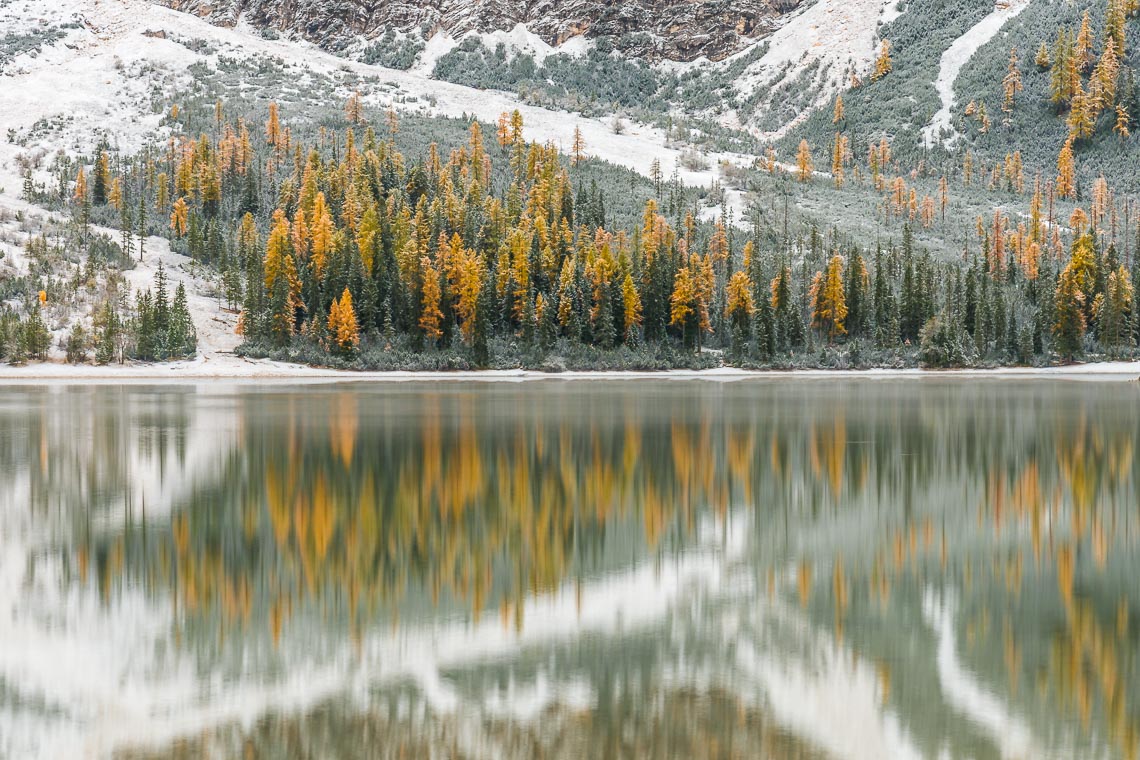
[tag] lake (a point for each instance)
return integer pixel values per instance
(779, 568)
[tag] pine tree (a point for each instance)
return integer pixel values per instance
(101, 186)
(1111, 310)
(77, 344)
(181, 337)
(856, 286)
(1069, 328)
(140, 220)
(1064, 71)
(108, 333)
(36, 339)
(84, 201)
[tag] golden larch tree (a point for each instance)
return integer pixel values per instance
(828, 300)
(354, 109)
(430, 315)
(1065, 184)
(804, 166)
(631, 306)
(578, 149)
(1011, 85)
(178, 217)
(321, 235)
(883, 64)
(273, 126)
(344, 332)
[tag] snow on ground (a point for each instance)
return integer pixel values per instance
(842, 35)
(220, 364)
(111, 77)
(96, 81)
(956, 56)
(216, 326)
(110, 73)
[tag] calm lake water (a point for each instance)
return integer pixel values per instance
(571, 569)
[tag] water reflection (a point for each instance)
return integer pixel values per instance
(653, 569)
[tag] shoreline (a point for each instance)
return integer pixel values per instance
(266, 371)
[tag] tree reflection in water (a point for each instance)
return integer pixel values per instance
(962, 551)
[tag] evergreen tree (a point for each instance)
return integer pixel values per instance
(1069, 328)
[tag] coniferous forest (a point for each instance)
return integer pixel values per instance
(339, 242)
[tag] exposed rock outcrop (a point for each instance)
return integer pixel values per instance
(678, 30)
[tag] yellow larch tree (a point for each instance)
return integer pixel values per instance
(115, 196)
(1104, 79)
(578, 148)
(1121, 125)
(883, 64)
(430, 315)
(1065, 184)
(1083, 49)
(631, 306)
(803, 161)
(80, 195)
(469, 281)
(273, 126)
(343, 328)
(839, 154)
(828, 300)
(178, 217)
(321, 235)
(354, 109)
(739, 303)
(503, 130)
(1011, 85)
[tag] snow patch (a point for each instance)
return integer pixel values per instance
(958, 55)
(840, 35)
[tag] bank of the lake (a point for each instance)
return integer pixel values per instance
(239, 368)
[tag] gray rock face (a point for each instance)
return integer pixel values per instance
(678, 30)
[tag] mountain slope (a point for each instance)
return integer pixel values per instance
(677, 30)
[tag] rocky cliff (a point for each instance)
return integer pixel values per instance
(678, 30)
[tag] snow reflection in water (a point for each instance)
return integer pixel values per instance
(821, 569)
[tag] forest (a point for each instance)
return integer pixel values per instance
(337, 246)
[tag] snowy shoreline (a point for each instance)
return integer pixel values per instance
(260, 371)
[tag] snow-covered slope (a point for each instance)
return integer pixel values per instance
(957, 56)
(678, 30)
(818, 49)
(108, 77)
